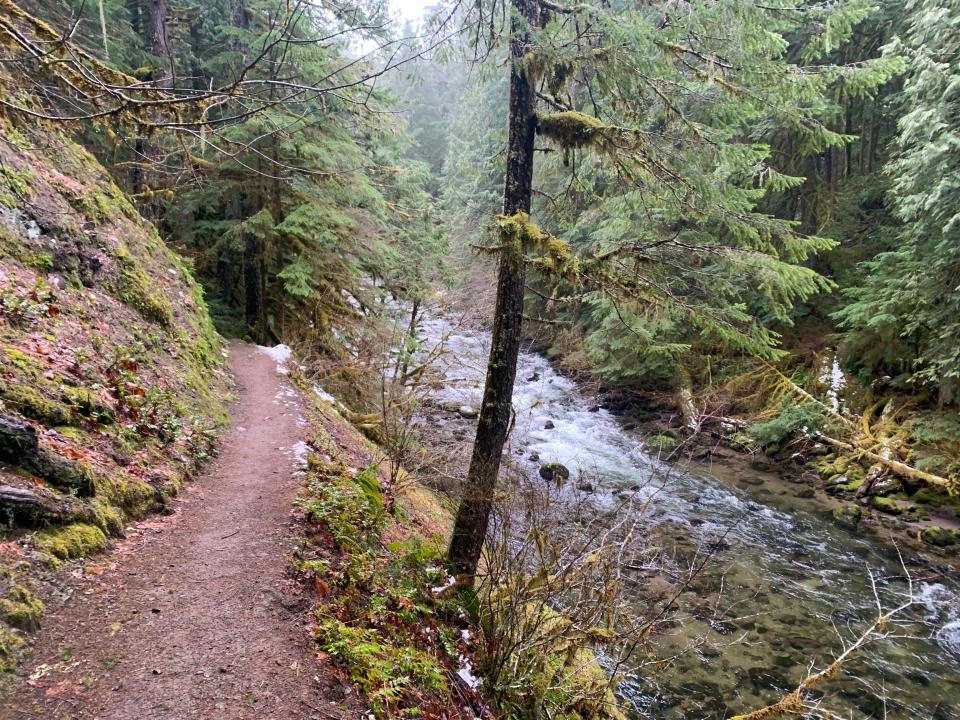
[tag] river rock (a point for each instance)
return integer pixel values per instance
(805, 493)
(465, 411)
(939, 536)
(548, 425)
(554, 472)
(534, 456)
(594, 408)
(751, 480)
(761, 463)
(534, 377)
(585, 487)
(848, 516)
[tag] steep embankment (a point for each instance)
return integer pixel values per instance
(111, 374)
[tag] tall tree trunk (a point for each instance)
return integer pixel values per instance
(253, 285)
(103, 30)
(473, 516)
(158, 37)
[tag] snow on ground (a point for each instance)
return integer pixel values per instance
(279, 353)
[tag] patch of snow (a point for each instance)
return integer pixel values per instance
(324, 395)
(832, 376)
(446, 584)
(300, 451)
(465, 673)
(279, 353)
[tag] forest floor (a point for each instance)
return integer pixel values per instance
(196, 615)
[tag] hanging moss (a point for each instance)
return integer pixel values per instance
(572, 129)
(519, 235)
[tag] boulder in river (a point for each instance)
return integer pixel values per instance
(584, 486)
(848, 516)
(465, 411)
(554, 472)
(939, 536)
(548, 425)
(534, 377)
(534, 456)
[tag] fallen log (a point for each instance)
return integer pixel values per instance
(951, 485)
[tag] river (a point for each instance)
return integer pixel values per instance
(795, 578)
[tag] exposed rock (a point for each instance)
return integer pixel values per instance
(534, 456)
(939, 536)
(465, 411)
(585, 487)
(751, 480)
(848, 516)
(548, 425)
(19, 446)
(594, 408)
(554, 471)
(534, 377)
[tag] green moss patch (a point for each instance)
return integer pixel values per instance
(71, 541)
(20, 609)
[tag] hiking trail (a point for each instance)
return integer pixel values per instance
(194, 615)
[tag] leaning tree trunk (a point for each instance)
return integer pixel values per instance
(473, 516)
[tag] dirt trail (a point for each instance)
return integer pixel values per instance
(194, 616)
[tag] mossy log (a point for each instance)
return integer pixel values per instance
(902, 469)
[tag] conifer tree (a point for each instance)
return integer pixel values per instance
(904, 320)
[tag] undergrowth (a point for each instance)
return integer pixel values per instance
(380, 620)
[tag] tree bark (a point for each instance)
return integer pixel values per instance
(158, 36)
(253, 285)
(473, 516)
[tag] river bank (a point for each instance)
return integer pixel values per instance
(782, 574)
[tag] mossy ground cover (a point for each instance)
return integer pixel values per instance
(106, 352)
(374, 573)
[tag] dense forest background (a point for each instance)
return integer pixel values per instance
(837, 118)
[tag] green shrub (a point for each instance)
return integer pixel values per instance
(792, 420)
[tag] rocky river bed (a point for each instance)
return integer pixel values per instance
(785, 588)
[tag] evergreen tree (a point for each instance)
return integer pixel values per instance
(905, 319)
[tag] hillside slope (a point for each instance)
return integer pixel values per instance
(112, 378)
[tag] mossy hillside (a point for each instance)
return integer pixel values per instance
(378, 619)
(109, 357)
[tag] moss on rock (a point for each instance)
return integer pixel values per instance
(20, 609)
(30, 402)
(939, 536)
(848, 516)
(71, 541)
